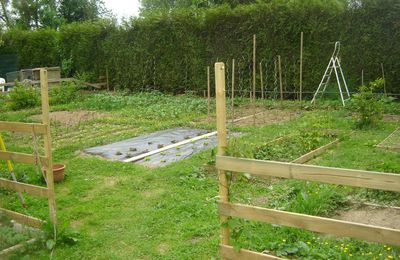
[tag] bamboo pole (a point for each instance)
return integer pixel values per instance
(280, 78)
(384, 80)
(233, 92)
(208, 94)
(301, 67)
(47, 145)
(261, 82)
(254, 79)
(222, 142)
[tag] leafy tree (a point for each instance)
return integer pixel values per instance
(81, 10)
(5, 14)
(35, 13)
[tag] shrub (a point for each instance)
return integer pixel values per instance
(64, 93)
(23, 96)
(368, 105)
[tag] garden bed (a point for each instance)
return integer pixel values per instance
(291, 147)
(144, 144)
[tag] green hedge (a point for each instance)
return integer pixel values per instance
(169, 51)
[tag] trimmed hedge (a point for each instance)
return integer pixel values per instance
(169, 51)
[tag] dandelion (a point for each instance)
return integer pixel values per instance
(388, 248)
(390, 257)
(283, 240)
(308, 242)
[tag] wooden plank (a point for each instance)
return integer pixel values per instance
(313, 223)
(22, 127)
(223, 187)
(355, 178)
(246, 117)
(23, 187)
(21, 157)
(314, 153)
(16, 248)
(44, 88)
(22, 219)
(144, 155)
(36, 82)
(387, 138)
(230, 253)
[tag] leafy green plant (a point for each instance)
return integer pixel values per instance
(61, 234)
(64, 93)
(23, 96)
(368, 105)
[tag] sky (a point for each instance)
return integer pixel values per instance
(123, 8)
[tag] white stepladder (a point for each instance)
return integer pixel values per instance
(334, 65)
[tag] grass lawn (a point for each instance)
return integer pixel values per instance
(125, 211)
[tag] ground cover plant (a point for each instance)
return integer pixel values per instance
(120, 210)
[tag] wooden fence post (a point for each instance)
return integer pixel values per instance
(301, 68)
(233, 91)
(47, 145)
(221, 137)
(362, 77)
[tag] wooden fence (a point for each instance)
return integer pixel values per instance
(355, 178)
(46, 160)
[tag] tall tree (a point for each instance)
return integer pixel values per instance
(81, 10)
(35, 13)
(5, 16)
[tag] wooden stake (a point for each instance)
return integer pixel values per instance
(384, 80)
(301, 67)
(254, 78)
(108, 86)
(280, 78)
(362, 77)
(261, 82)
(208, 94)
(221, 137)
(47, 145)
(233, 92)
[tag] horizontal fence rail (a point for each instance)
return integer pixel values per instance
(355, 178)
(23, 127)
(22, 219)
(23, 187)
(231, 253)
(22, 157)
(312, 223)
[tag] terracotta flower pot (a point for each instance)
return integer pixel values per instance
(58, 172)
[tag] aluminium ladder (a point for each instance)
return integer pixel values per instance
(333, 65)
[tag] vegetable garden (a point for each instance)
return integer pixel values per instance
(167, 164)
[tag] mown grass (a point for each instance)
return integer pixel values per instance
(127, 211)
